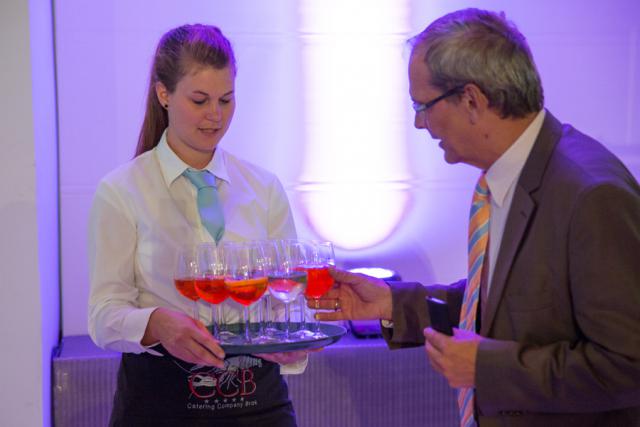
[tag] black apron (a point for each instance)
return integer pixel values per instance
(165, 391)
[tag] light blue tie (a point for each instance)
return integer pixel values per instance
(209, 205)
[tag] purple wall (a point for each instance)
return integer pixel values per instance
(588, 54)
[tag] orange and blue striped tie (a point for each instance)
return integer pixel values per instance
(478, 240)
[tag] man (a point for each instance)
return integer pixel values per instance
(550, 312)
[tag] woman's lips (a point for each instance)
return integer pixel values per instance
(209, 131)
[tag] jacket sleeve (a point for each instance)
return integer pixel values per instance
(410, 314)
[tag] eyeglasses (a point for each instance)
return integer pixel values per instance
(423, 107)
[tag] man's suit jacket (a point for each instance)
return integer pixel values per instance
(562, 319)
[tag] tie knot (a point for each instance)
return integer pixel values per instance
(482, 189)
(200, 179)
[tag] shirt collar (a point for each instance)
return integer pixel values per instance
(172, 166)
(504, 172)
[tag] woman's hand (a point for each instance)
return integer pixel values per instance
(183, 337)
(286, 358)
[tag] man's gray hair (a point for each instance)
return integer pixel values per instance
(482, 47)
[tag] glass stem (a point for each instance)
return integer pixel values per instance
(263, 319)
(269, 316)
(214, 321)
(303, 303)
(247, 335)
(316, 323)
(287, 318)
(220, 321)
(196, 315)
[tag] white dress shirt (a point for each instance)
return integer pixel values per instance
(501, 179)
(143, 212)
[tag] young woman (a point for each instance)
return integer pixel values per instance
(173, 372)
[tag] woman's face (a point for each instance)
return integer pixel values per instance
(200, 111)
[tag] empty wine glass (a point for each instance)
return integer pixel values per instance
(210, 283)
(185, 274)
(287, 281)
(245, 277)
(266, 260)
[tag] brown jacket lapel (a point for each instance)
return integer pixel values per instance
(522, 210)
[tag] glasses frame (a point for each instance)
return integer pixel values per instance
(418, 106)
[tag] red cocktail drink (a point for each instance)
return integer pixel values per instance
(246, 291)
(211, 289)
(187, 288)
(319, 281)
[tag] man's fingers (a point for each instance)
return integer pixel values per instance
(462, 334)
(324, 303)
(436, 365)
(434, 357)
(334, 292)
(329, 315)
(435, 338)
(344, 276)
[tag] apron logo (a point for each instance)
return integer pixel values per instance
(202, 385)
(233, 383)
(223, 389)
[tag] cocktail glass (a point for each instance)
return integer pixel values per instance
(185, 274)
(210, 283)
(245, 279)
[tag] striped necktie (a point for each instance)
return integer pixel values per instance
(209, 205)
(478, 240)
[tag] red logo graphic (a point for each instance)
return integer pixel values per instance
(225, 383)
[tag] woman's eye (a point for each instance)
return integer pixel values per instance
(199, 101)
(224, 101)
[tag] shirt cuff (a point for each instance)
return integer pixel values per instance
(295, 368)
(134, 326)
(149, 349)
(386, 323)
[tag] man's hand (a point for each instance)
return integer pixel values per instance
(454, 357)
(354, 297)
(183, 337)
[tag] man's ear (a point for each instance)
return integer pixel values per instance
(475, 102)
(163, 94)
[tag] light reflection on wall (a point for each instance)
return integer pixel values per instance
(352, 184)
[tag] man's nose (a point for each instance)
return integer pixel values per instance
(419, 120)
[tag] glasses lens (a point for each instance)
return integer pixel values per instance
(417, 107)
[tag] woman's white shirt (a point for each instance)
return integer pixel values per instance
(143, 212)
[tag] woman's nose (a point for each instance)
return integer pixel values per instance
(215, 113)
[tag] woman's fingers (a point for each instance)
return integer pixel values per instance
(186, 338)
